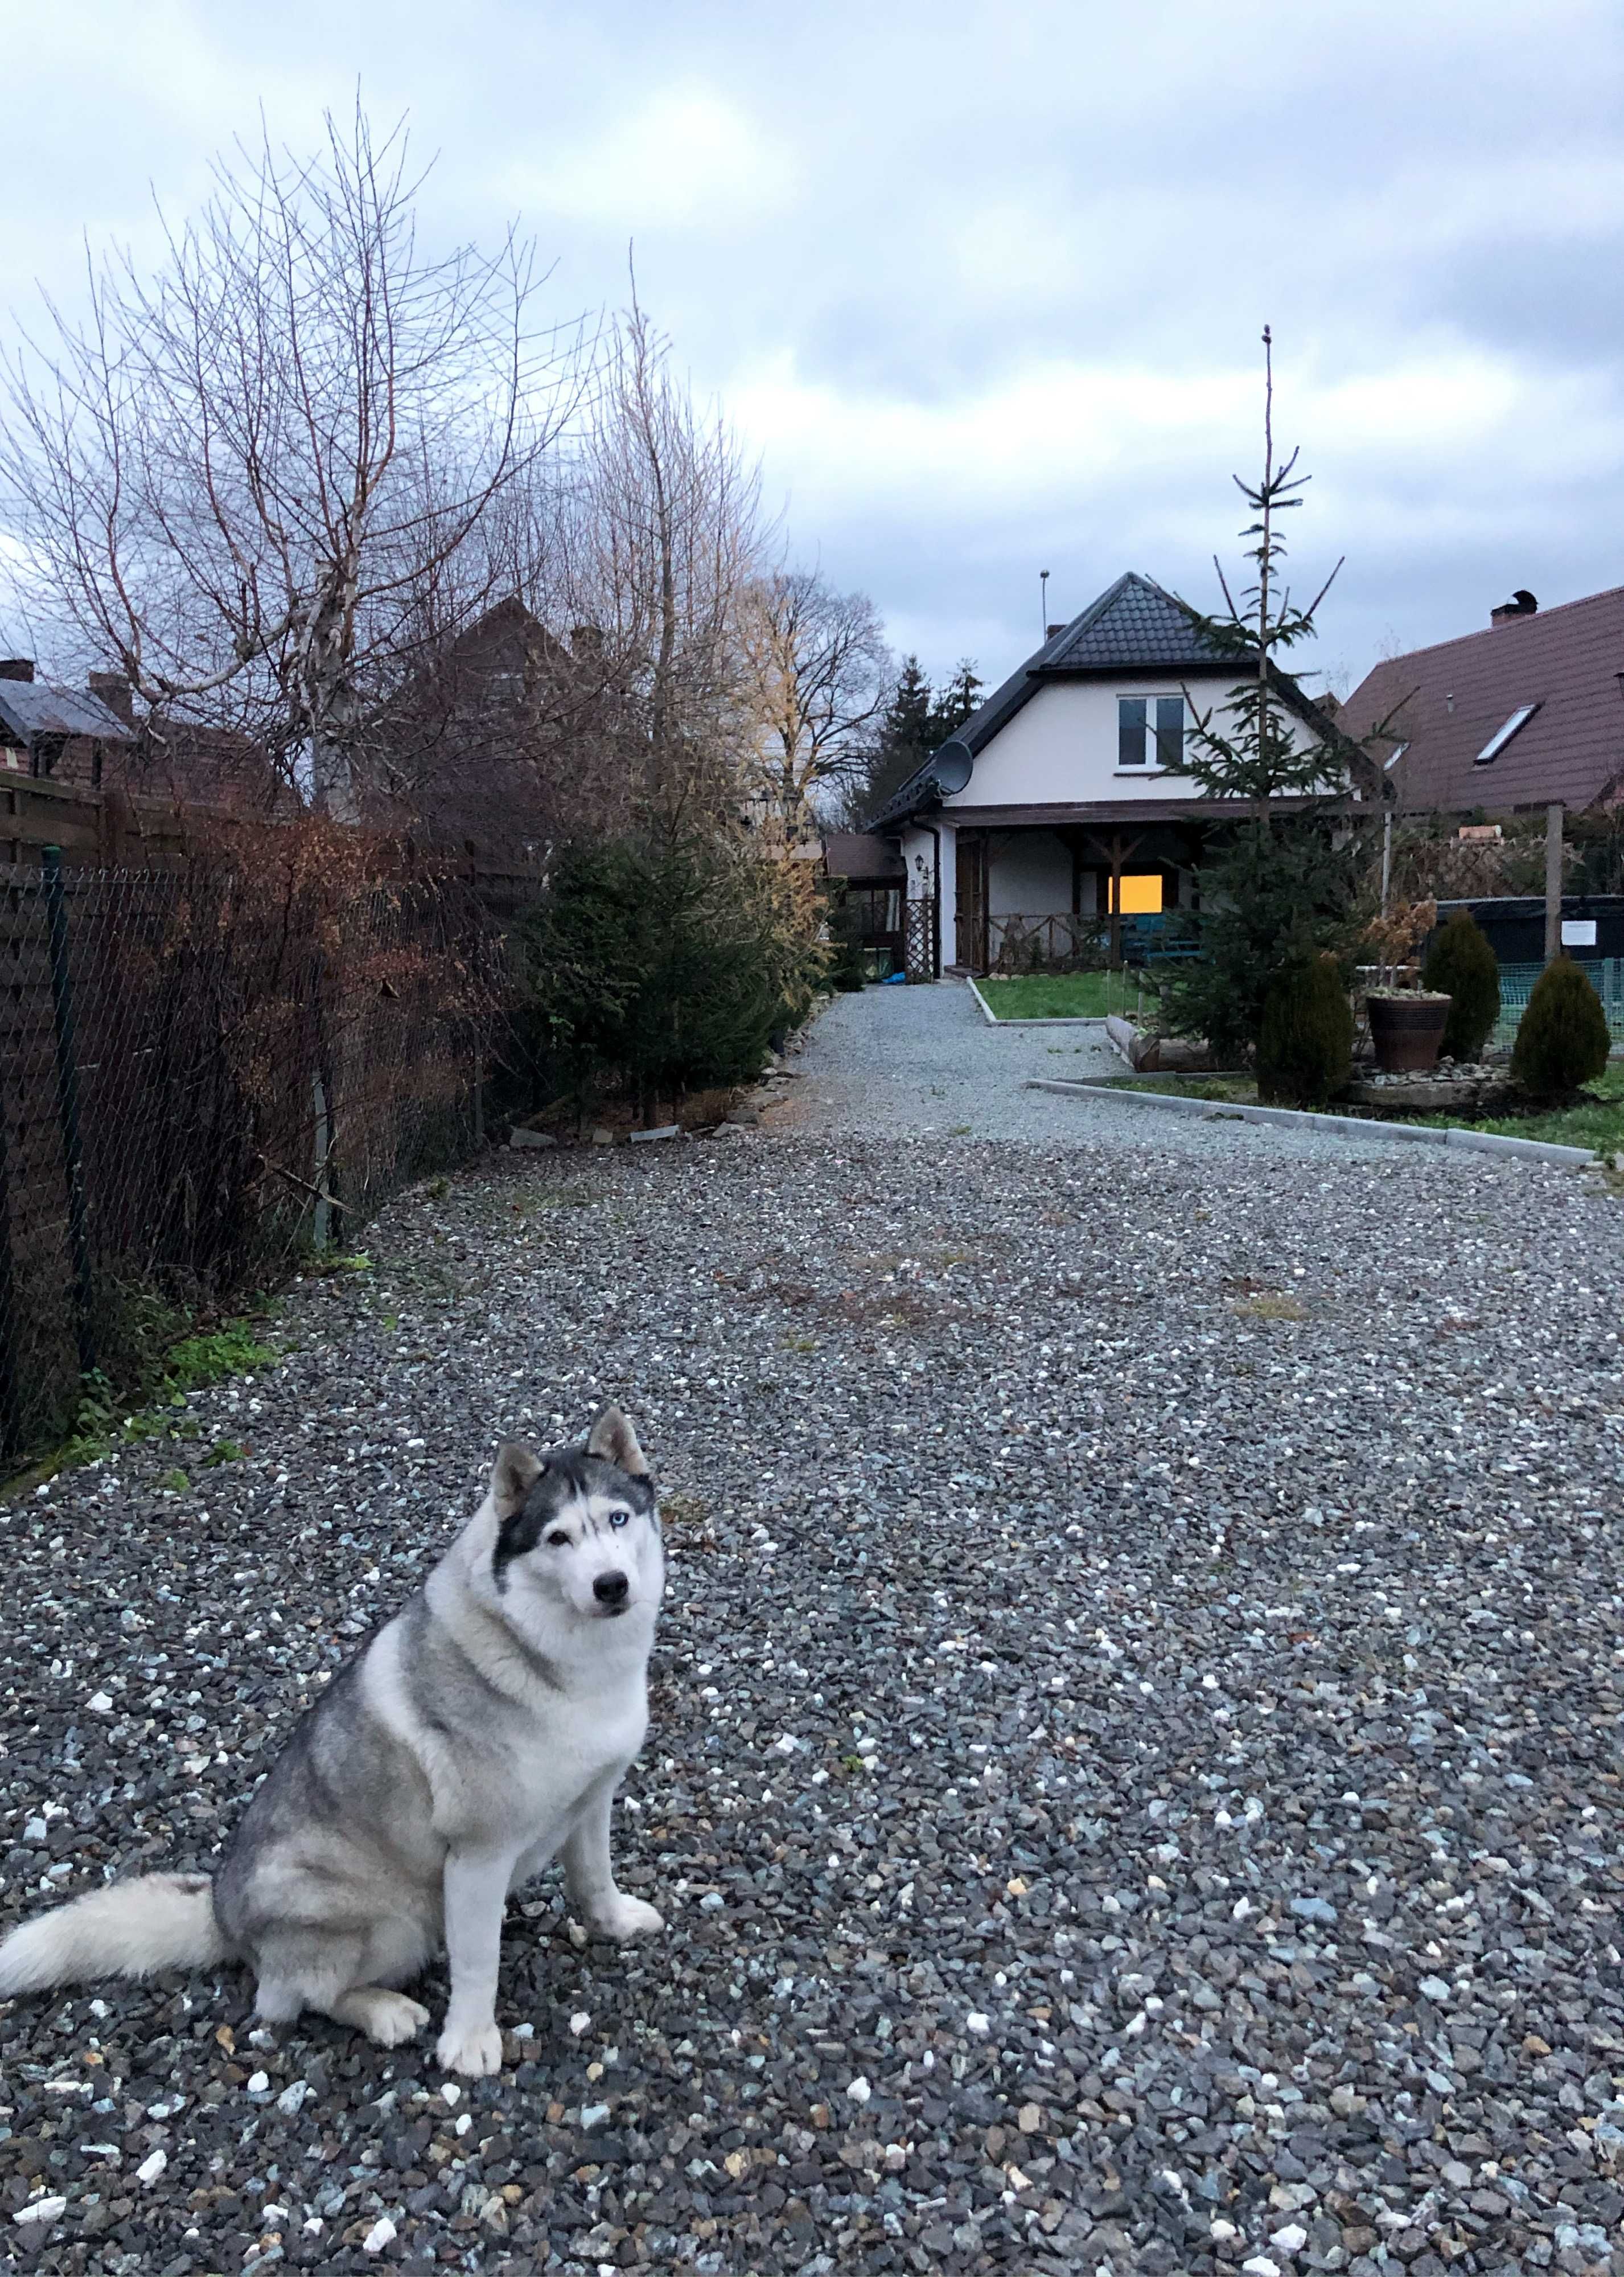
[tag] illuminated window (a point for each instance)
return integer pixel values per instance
(1141, 893)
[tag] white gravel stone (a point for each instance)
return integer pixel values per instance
(41, 2212)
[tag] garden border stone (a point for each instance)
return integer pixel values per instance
(1478, 1142)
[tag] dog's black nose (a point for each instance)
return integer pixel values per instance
(610, 1588)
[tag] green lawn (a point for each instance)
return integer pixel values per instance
(1062, 996)
(1228, 1090)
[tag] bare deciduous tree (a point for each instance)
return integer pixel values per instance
(664, 536)
(820, 674)
(236, 479)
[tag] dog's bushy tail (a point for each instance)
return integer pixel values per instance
(129, 1929)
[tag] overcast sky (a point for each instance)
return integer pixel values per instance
(983, 283)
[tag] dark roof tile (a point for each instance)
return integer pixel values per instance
(1134, 625)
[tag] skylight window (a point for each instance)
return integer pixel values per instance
(1498, 742)
(1398, 751)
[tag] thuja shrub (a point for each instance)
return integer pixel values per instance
(1462, 965)
(1562, 1040)
(1305, 1044)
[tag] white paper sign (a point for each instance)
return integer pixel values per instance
(1578, 932)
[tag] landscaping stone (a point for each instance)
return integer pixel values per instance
(648, 1137)
(1448, 1090)
(520, 1138)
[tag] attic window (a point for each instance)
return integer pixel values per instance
(1151, 733)
(1498, 742)
(1398, 751)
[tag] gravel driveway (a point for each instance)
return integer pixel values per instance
(925, 1061)
(1134, 1775)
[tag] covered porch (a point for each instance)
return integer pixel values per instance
(1030, 895)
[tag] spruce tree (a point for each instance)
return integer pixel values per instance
(1281, 885)
(917, 718)
(951, 706)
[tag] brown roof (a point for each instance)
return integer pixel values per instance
(1447, 703)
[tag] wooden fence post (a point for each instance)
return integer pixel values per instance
(1553, 882)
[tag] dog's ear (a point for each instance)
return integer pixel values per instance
(513, 1474)
(613, 1438)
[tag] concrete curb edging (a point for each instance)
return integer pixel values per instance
(993, 1021)
(1475, 1142)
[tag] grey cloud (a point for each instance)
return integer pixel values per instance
(959, 193)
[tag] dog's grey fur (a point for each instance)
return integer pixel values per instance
(483, 1732)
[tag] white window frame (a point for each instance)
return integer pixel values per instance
(1150, 697)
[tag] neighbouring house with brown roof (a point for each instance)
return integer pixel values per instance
(1523, 715)
(507, 737)
(91, 739)
(63, 733)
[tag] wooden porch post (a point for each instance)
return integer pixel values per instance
(1116, 854)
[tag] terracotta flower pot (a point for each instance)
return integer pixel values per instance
(1408, 1031)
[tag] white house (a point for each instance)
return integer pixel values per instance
(1064, 800)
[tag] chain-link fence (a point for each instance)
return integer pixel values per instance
(201, 1070)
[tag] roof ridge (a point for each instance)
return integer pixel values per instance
(1539, 616)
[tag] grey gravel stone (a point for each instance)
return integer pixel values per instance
(1195, 1523)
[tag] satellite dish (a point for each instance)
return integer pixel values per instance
(952, 767)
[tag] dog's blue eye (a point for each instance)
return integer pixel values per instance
(618, 1516)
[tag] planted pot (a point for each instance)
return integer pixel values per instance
(1407, 1031)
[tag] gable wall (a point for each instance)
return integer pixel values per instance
(1062, 747)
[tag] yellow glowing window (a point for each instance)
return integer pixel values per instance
(1140, 895)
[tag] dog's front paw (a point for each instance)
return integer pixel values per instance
(622, 1918)
(475, 2050)
(391, 2019)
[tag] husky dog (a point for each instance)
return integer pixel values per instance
(483, 1732)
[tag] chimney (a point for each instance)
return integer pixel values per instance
(16, 667)
(1522, 604)
(113, 689)
(1051, 630)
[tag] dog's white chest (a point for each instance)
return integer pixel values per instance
(588, 1741)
